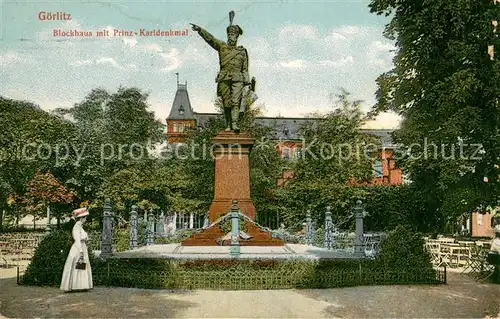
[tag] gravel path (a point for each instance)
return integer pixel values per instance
(461, 298)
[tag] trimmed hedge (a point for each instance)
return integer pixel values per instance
(47, 264)
(250, 274)
(403, 260)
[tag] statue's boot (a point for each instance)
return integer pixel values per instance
(227, 117)
(235, 112)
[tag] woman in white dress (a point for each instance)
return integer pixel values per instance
(73, 278)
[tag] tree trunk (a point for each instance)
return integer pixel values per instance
(2, 213)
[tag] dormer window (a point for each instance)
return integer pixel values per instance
(181, 110)
(285, 131)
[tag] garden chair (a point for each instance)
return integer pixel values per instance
(478, 265)
(433, 248)
(444, 255)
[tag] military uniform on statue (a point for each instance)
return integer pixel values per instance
(234, 88)
(77, 273)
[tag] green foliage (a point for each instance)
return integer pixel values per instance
(179, 236)
(254, 274)
(116, 132)
(25, 127)
(445, 86)
(390, 206)
(404, 249)
(226, 225)
(122, 239)
(47, 264)
(89, 144)
(333, 155)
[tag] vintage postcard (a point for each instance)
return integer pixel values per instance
(249, 158)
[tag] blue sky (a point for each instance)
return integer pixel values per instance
(300, 52)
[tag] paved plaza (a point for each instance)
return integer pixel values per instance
(462, 297)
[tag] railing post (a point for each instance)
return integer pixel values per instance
(235, 233)
(107, 230)
(309, 229)
(160, 225)
(134, 228)
(328, 243)
(175, 222)
(150, 228)
(359, 244)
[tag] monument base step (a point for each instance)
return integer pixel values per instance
(210, 236)
(213, 242)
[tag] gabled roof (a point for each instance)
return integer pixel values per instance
(181, 107)
(287, 128)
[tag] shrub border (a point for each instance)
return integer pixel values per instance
(253, 274)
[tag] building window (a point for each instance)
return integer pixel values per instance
(379, 170)
(286, 153)
(175, 127)
(286, 131)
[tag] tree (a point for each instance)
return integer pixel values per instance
(445, 86)
(114, 132)
(28, 142)
(46, 191)
(336, 152)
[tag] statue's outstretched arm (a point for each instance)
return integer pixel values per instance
(210, 39)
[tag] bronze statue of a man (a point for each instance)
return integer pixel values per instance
(234, 86)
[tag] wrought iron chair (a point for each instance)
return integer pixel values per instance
(478, 265)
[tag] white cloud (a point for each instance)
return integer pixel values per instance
(108, 60)
(379, 54)
(172, 60)
(152, 47)
(349, 29)
(13, 59)
(294, 64)
(345, 61)
(298, 32)
(131, 42)
(82, 62)
(132, 67)
(9, 57)
(387, 120)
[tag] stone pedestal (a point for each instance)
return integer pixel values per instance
(232, 174)
(232, 182)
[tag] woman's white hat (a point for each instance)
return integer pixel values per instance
(80, 212)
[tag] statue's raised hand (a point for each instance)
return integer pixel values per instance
(195, 27)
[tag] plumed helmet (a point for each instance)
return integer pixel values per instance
(234, 28)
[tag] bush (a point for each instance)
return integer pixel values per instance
(404, 249)
(258, 274)
(46, 266)
(122, 239)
